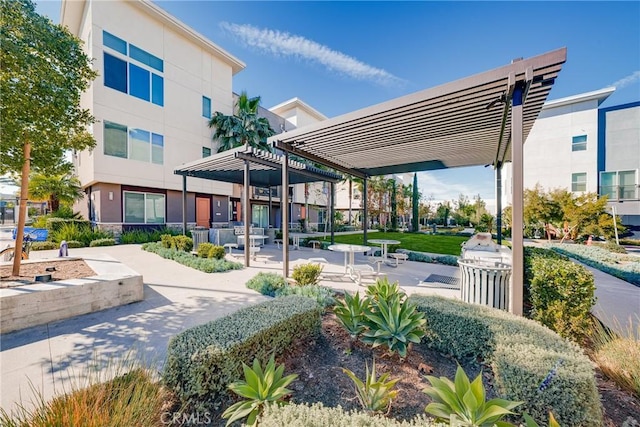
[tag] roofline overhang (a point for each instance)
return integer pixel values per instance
(597, 95)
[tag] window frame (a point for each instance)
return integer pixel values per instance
(575, 182)
(203, 150)
(206, 107)
(578, 143)
(144, 213)
(155, 140)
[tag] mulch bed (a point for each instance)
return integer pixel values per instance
(64, 269)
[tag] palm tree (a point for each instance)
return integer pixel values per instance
(55, 189)
(245, 127)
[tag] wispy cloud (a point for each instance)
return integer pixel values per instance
(628, 80)
(279, 43)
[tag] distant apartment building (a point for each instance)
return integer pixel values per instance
(577, 145)
(159, 82)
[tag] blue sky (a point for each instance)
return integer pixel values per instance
(343, 56)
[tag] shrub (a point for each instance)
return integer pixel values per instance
(144, 236)
(350, 313)
(317, 415)
(562, 294)
(167, 240)
(130, 399)
(307, 274)
(462, 402)
(207, 265)
(201, 361)
(204, 249)
(322, 295)
(603, 260)
(74, 244)
(217, 252)
(260, 387)
(55, 223)
(266, 283)
(43, 246)
(182, 243)
(374, 394)
(630, 242)
(446, 260)
(102, 242)
(521, 354)
(72, 231)
(612, 247)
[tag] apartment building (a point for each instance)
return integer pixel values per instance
(577, 145)
(159, 82)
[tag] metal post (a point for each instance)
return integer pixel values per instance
(365, 218)
(184, 205)
(517, 236)
(499, 201)
(270, 207)
(247, 216)
(284, 203)
(615, 225)
(332, 209)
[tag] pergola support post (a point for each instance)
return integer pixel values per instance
(284, 203)
(517, 236)
(332, 212)
(184, 205)
(499, 202)
(247, 215)
(270, 208)
(365, 216)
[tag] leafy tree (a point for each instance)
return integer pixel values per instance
(245, 127)
(55, 189)
(44, 71)
(463, 210)
(443, 211)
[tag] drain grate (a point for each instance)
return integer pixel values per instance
(451, 281)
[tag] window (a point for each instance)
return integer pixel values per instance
(115, 140)
(115, 73)
(114, 42)
(579, 143)
(146, 58)
(134, 144)
(206, 107)
(618, 185)
(579, 181)
(206, 152)
(127, 77)
(143, 208)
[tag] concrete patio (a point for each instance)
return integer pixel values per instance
(175, 298)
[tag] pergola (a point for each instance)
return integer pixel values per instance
(483, 119)
(258, 168)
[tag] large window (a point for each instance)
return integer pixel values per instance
(137, 79)
(579, 143)
(144, 208)
(619, 185)
(579, 181)
(134, 144)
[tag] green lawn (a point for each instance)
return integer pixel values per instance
(437, 244)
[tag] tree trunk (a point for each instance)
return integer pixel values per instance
(55, 203)
(22, 213)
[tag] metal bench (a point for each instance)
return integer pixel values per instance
(278, 242)
(398, 257)
(230, 246)
(315, 244)
(359, 271)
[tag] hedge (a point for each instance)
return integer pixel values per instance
(208, 265)
(317, 415)
(43, 246)
(202, 361)
(266, 283)
(604, 260)
(102, 242)
(521, 354)
(422, 257)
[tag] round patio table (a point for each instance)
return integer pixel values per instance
(349, 251)
(384, 243)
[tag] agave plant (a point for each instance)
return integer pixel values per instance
(462, 403)
(260, 387)
(351, 314)
(375, 395)
(393, 323)
(383, 290)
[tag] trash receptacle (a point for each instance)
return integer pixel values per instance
(199, 235)
(485, 282)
